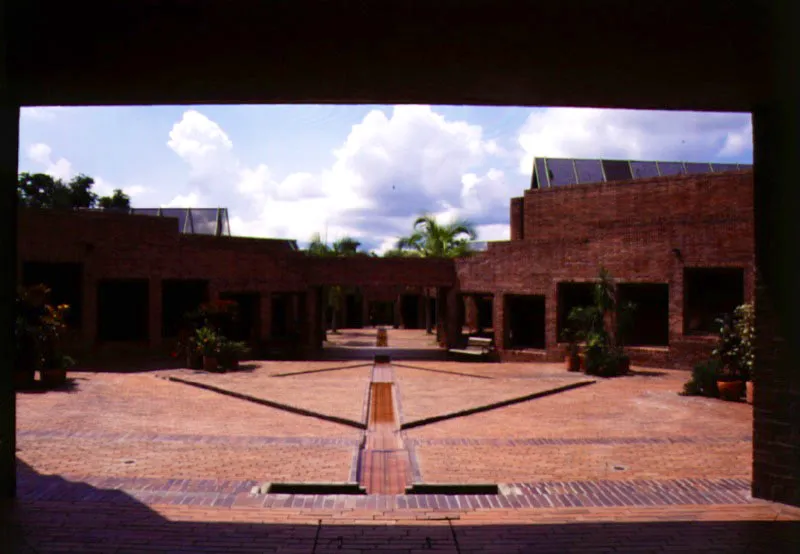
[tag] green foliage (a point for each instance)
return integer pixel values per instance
(602, 327)
(704, 379)
(208, 341)
(735, 348)
(231, 351)
(40, 190)
(430, 239)
(38, 329)
(117, 201)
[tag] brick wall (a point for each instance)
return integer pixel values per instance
(517, 208)
(633, 228)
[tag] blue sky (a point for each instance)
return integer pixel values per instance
(364, 171)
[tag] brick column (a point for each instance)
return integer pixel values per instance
(776, 125)
(398, 315)
(364, 309)
(499, 321)
(265, 314)
(9, 139)
(154, 312)
(776, 434)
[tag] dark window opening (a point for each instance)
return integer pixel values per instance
(649, 325)
(180, 297)
(123, 310)
(280, 315)
(409, 311)
(381, 313)
(710, 293)
(485, 313)
(246, 325)
(65, 281)
(432, 307)
(354, 308)
(570, 296)
(526, 321)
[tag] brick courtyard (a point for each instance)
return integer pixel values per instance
(627, 464)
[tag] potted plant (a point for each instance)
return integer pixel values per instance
(230, 352)
(55, 374)
(735, 352)
(208, 344)
(601, 326)
(573, 353)
(704, 379)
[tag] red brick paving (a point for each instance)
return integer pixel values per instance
(637, 422)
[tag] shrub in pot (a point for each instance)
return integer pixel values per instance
(208, 342)
(602, 326)
(704, 379)
(55, 374)
(231, 352)
(735, 351)
(573, 353)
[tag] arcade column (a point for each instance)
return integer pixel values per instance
(776, 199)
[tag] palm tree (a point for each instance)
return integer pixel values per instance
(431, 239)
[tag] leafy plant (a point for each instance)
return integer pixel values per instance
(208, 341)
(601, 327)
(735, 349)
(232, 350)
(704, 379)
(431, 239)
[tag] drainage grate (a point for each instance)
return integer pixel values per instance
(449, 489)
(314, 488)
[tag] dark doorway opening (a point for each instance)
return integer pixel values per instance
(281, 305)
(570, 296)
(179, 297)
(353, 311)
(246, 325)
(485, 304)
(382, 313)
(123, 310)
(432, 307)
(649, 325)
(708, 294)
(409, 311)
(65, 281)
(526, 321)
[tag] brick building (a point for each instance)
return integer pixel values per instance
(679, 240)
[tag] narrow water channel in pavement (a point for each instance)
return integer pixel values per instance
(384, 464)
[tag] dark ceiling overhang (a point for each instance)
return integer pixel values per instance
(679, 54)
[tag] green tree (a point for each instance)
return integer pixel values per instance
(40, 190)
(117, 201)
(432, 239)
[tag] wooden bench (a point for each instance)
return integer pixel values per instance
(477, 347)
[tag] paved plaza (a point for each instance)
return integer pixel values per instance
(167, 461)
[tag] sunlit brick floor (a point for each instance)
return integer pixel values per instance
(138, 463)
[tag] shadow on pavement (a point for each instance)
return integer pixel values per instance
(54, 515)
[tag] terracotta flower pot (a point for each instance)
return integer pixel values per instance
(749, 394)
(210, 363)
(573, 362)
(730, 390)
(194, 361)
(53, 377)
